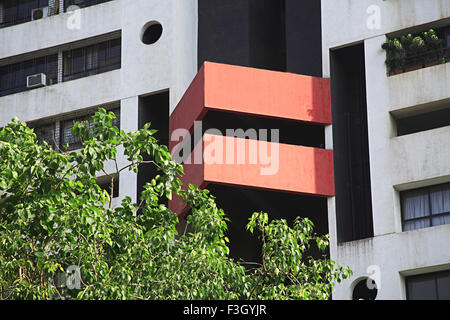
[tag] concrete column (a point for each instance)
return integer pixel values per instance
(129, 108)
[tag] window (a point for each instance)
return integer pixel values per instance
(423, 121)
(426, 207)
(13, 77)
(59, 133)
(47, 133)
(19, 11)
(82, 3)
(94, 59)
(74, 142)
(431, 286)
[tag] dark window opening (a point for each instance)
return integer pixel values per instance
(290, 132)
(365, 289)
(350, 143)
(154, 109)
(423, 121)
(59, 133)
(14, 12)
(67, 138)
(105, 184)
(278, 205)
(13, 77)
(152, 33)
(431, 286)
(425, 207)
(91, 60)
(47, 133)
(82, 3)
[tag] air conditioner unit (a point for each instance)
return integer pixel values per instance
(39, 13)
(37, 80)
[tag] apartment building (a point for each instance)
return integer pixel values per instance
(391, 143)
(284, 106)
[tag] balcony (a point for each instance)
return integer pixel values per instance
(255, 132)
(261, 165)
(421, 50)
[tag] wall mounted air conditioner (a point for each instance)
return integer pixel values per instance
(37, 80)
(39, 13)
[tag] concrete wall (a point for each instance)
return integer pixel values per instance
(396, 163)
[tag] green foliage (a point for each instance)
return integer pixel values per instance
(414, 50)
(53, 215)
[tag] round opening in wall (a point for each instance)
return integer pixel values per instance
(365, 289)
(151, 32)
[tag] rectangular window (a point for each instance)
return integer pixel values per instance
(423, 121)
(13, 77)
(431, 286)
(47, 133)
(425, 207)
(73, 142)
(82, 3)
(59, 133)
(18, 11)
(90, 60)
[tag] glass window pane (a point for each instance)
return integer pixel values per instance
(77, 61)
(114, 51)
(51, 68)
(416, 224)
(415, 204)
(421, 288)
(440, 220)
(46, 133)
(67, 63)
(440, 199)
(102, 49)
(67, 137)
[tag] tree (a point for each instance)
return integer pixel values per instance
(55, 219)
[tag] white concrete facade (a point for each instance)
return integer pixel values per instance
(396, 162)
(170, 63)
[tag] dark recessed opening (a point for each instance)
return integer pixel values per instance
(152, 33)
(279, 205)
(365, 289)
(424, 121)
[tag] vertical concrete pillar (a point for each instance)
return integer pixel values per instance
(128, 122)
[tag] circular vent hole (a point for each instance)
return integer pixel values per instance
(151, 32)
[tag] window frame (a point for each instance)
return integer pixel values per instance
(432, 277)
(428, 190)
(18, 73)
(90, 55)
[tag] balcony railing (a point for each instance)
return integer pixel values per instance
(420, 50)
(421, 60)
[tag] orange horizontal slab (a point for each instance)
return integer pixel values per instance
(230, 88)
(278, 167)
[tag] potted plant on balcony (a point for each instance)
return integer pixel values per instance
(435, 48)
(418, 52)
(395, 55)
